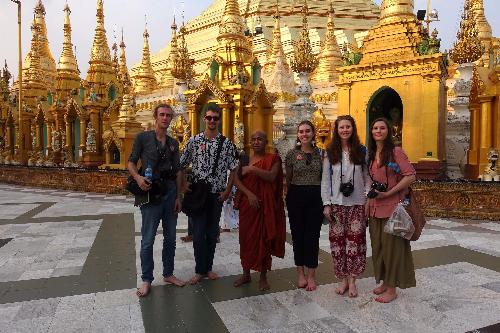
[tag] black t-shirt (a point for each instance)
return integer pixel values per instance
(148, 149)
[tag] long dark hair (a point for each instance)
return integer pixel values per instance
(308, 123)
(386, 154)
(334, 151)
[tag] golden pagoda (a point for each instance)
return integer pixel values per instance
(67, 89)
(144, 80)
(391, 80)
(330, 57)
(233, 82)
(484, 29)
(167, 79)
(355, 17)
(100, 101)
(484, 102)
(122, 67)
(47, 62)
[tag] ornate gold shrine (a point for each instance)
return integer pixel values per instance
(233, 82)
(398, 79)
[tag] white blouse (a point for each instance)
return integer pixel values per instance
(330, 182)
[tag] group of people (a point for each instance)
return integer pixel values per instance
(350, 186)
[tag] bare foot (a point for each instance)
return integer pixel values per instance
(175, 281)
(244, 279)
(195, 279)
(341, 289)
(380, 289)
(143, 291)
(301, 281)
(263, 284)
(212, 275)
(311, 284)
(353, 290)
(387, 297)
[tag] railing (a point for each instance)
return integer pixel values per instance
(278, 131)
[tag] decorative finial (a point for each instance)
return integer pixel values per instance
(304, 61)
(467, 48)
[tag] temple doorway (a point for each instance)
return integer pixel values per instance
(387, 103)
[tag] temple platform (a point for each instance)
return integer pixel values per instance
(447, 199)
(69, 262)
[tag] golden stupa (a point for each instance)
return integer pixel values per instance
(392, 77)
(354, 18)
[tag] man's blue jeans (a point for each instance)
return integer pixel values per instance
(152, 213)
(205, 232)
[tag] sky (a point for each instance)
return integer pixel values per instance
(133, 14)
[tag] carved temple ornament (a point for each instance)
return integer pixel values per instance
(491, 171)
(208, 84)
(388, 72)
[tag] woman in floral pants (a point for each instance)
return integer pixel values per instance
(344, 185)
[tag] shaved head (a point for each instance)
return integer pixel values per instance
(259, 142)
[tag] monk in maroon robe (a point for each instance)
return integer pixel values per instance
(262, 214)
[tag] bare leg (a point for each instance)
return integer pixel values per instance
(212, 275)
(353, 290)
(263, 284)
(387, 297)
(175, 281)
(343, 286)
(244, 279)
(144, 290)
(302, 281)
(311, 279)
(380, 289)
(195, 279)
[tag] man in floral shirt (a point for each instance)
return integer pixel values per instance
(200, 153)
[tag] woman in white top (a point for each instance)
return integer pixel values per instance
(344, 185)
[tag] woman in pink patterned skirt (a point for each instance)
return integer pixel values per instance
(344, 185)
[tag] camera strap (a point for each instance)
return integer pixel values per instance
(386, 174)
(342, 172)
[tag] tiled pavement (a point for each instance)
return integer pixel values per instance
(69, 263)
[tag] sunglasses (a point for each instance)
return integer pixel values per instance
(210, 118)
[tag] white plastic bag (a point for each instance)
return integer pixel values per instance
(400, 223)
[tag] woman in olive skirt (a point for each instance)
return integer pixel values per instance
(391, 173)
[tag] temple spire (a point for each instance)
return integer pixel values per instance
(233, 45)
(277, 46)
(468, 47)
(167, 80)
(68, 74)
(145, 81)
(484, 28)
(47, 62)
(396, 9)
(123, 69)
(100, 62)
(330, 57)
(304, 61)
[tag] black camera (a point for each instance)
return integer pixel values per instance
(376, 186)
(346, 189)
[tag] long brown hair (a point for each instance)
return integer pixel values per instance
(356, 151)
(386, 155)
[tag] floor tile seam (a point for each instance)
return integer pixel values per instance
(333, 279)
(59, 219)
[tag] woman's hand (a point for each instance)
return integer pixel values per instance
(382, 195)
(253, 200)
(327, 210)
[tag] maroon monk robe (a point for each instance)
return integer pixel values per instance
(262, 231)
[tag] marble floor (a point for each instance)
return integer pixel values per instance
(69, 262)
